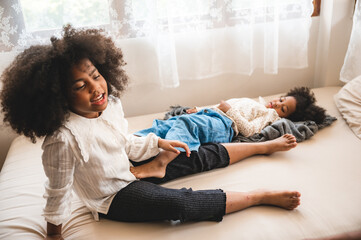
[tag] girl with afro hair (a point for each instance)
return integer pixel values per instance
(68, 92)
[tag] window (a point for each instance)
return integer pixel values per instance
(42, 15)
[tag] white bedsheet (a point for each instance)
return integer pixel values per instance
(325, 169)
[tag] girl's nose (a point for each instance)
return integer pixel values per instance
(93, 87)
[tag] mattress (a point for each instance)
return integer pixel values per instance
(325, 169)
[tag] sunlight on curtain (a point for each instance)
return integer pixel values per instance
(45, 14)
(352, 63)
(165, 41)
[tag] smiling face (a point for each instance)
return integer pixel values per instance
(87, 90)
(284, 106)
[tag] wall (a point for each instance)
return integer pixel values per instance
(327, 47)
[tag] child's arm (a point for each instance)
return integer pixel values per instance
(192, 110)
(59, 166)
(224, 106)
(53, 232)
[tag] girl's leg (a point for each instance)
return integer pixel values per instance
(156, 167)
(209, 157)
(237, 201)
(142, 201)
(239, 151)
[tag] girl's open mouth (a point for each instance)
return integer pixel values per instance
(99, 100)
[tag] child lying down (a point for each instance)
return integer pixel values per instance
(243, 116)
(221, 123)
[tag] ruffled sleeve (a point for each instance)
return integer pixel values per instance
(142, 148)
(59, 164)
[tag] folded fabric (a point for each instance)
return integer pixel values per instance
(175, 111)
(301, 130)
(193, 129)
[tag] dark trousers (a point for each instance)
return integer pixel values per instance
(146, 201)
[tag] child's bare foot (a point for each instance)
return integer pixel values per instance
(155, 168)
(285, 199)
(283, 143)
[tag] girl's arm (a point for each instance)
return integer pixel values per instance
(192, 110)
(141, 148)
(53, 232)
(59, 166)
(224, 106)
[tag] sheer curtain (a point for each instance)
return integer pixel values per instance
(352, 63)
(166, 41)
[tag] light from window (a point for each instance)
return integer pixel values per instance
(53, 14)
(165, 8)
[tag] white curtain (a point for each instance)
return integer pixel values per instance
(352, 63)
(165, 41)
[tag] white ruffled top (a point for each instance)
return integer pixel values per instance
(91, 158)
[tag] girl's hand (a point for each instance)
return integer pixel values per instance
(224, 106)
(170, 145)
(191, 110)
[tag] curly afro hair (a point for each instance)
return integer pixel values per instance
(34, 99)
(305, 106)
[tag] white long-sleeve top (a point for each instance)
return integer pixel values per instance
(91, 158)
(250, 116)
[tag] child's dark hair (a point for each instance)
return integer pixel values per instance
(305, 106)
(34, 98)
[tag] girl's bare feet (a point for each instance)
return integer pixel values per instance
(283, 143)
(155, 168)
(285, 199)
(237, 201)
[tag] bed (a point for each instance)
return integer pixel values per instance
(326, 169)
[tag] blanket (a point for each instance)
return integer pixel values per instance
(301, 130)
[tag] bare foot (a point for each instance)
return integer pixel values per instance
(155, 168)
(283, 143)
(285, 199)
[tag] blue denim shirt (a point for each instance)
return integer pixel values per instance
(194, 129)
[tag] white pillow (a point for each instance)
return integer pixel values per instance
(348, 102)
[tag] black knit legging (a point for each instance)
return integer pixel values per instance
(142, 201)
(145, 201)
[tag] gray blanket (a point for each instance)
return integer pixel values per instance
(301, 130)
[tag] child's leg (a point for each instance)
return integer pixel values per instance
(239, 151)
(236, 152)
(142, 201)
(156, 167)
(237, 201)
